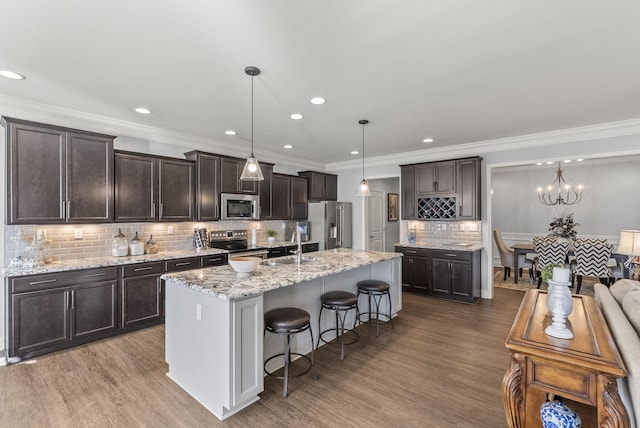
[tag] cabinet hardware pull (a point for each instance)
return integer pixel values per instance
(183, 264)
(93, 275)
(43, 281)
(68, 210)
(411, 252)
(215, 260)
(153, 209)
(450, 255)
(160, 213)
(63, 208)
(73, 299)
(142, 268)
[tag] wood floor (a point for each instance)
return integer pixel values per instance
(441, 366)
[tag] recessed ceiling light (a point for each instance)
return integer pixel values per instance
(318, 100)
(11, 75)
(549, 163)
(230, 132)
(579, 160)
(143, 110)
(355, 152)
(539, 163)
(288, 146)
(428, 140)
(296, 116)
(566, 160)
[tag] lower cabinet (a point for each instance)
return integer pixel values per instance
(59, 310)
(142, 296)
(448, 274)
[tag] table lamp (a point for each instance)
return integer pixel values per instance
(630, 244)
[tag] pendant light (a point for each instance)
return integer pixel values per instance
(363, 190)
(252, 171)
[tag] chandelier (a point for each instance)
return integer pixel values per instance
(560, 192)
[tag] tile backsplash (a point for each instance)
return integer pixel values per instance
(444, 231)
(97, 239)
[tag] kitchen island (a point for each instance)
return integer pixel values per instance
(215, 346)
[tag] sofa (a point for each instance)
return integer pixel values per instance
(620, 305)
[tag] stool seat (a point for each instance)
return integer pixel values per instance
(284, 319)
(373, 285)
(338, 298)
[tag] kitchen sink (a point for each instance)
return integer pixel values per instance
(279, 261)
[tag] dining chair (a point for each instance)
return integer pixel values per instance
(506, 257)
(533, 257)
(549, 252)
(592, 260)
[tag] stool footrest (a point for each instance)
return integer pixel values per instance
(331, 342)
(291, 364)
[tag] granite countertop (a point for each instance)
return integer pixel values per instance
(96, 262)
(223, 282)
(278, 244)
(437, 245)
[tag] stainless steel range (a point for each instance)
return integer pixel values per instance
(235, 241)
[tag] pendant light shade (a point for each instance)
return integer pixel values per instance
(363, 189)
(252, 171)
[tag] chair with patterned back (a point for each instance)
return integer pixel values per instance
(534, 256)
(549, 252)
(506, 256)
(592, 260)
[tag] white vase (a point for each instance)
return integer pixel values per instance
(559, 291)
(271, 239)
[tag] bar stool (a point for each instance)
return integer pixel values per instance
(286, 322)
(341, 302)
(376, 290)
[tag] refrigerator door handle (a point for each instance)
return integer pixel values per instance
(340, 225)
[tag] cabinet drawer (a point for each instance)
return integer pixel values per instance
(452, 255)
(276, 252)
(214, 260)
(415, 252)
(51, 280)
(142, 269)
(566, 380)
(183, 264)
(307, 248)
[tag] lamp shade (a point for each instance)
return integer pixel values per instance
(252, 171)
(629, 242)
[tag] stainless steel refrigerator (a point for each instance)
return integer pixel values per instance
(331, 224)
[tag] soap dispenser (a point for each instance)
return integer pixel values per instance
(136, 246)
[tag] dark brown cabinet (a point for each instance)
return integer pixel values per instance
(149, 188)
(436, 178)
(214, 260)
(299, 199)
(207, 185)
(289, 197)
(57, 175)
(416, 269)
(141, 295)
(310, 247)
(231, 170)
(186, 263)
(469, 189)
(456, 275)
(266, 192)
(321, 186)
(408, 189)
(55, 311)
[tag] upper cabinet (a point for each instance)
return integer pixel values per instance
(231, 170)
(266, 192)
(57, 175)
(447, 190)
(321, 186)
(289, 197)
(207, 185)
(150, 188)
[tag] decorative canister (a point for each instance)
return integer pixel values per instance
(119, 245)
(136, 246)
(151, 247)
(554, 414)
(45, 248)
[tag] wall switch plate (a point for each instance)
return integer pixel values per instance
(199, 312)
(77, 233)
(284, 225)
(473, 227)
(170, 230)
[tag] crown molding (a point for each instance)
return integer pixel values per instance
(60, 116)
(569, 135)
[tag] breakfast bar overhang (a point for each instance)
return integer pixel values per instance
(214, 343)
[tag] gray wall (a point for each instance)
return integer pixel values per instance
(391, 228)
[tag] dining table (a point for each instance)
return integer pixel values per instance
(526, 247)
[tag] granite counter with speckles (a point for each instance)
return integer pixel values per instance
(224, 282)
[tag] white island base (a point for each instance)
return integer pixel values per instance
(215, 346)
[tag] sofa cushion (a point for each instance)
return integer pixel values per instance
(620, 289)
(628, 343)
(631, 309)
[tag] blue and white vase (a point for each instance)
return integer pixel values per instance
(554, 414)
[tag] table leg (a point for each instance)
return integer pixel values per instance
(611, 411)
(516, 256)
(513, 391)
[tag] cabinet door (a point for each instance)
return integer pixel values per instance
(426, 179)
(214, 260)
(141, 300)
(36, 157)
(247, 376)
(229, 176)
(299, 199)
(331, 187)
(441, 276)
(469, 189)
(408, 188)
(39, 320)
(89, 172)
(93, 309)
(207, 187)
(461, 279)
(281, 197)
(445, 174)
(421, 275)
(317, 186)
(266, 190)
(136, 187)
(176, 190)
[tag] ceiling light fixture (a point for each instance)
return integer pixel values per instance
(296, 116)
(288, 146)
(143, 110)
(355, 152)
(560, 192)
(363, 190)
(11, 75)
(251, 171)
(230, 132)
(318, 100)
(428, 140)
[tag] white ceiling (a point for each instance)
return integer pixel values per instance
(460, 71)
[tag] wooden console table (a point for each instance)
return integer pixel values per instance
(583, 369)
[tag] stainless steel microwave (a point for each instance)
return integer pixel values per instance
(238, 207)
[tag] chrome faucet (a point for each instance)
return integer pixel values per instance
(295, 237)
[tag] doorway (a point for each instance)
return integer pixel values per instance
(382, 232)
